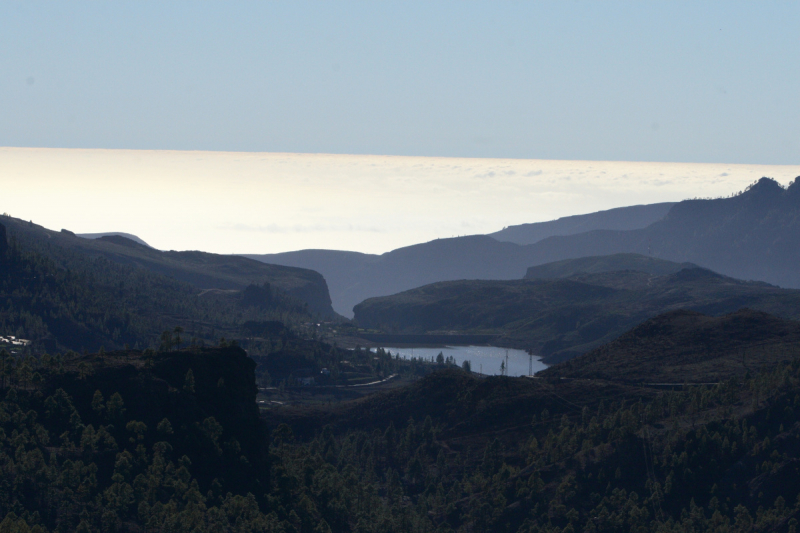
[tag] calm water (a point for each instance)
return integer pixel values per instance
(483, 358)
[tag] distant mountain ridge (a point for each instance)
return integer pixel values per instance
(353, 277)
(605, 263)
(753, 235)
(621, 218)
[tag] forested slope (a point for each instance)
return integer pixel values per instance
(532, 455)
(125, 441)
(689, 347)
(199, 269)
(171, 441)
(65, 300)
(563, 317)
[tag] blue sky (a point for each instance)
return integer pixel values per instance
(637, 81)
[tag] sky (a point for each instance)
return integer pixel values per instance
(614, 81)
(272, 126)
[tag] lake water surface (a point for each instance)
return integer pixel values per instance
(485, 359)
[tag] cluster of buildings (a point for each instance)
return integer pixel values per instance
(14, 341)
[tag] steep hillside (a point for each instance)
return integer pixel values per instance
(621, 218)
(560, 318)
(154, 387)
(82, 308)
(199, 269)
(686, 346)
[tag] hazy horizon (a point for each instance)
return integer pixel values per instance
(252, 128)
(255, 202)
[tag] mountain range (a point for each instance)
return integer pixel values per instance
(753, 235)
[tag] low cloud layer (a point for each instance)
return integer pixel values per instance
(271, 202)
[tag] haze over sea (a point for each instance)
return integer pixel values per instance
(250, 202)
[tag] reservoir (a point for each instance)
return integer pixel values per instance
(485, 359)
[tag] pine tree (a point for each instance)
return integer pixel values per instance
(188, 382)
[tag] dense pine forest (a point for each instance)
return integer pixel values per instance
(172, 441)
(173, 432)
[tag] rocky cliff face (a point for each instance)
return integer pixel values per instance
(314, 291)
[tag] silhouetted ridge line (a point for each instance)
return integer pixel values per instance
(754, 235)
(621, 218)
